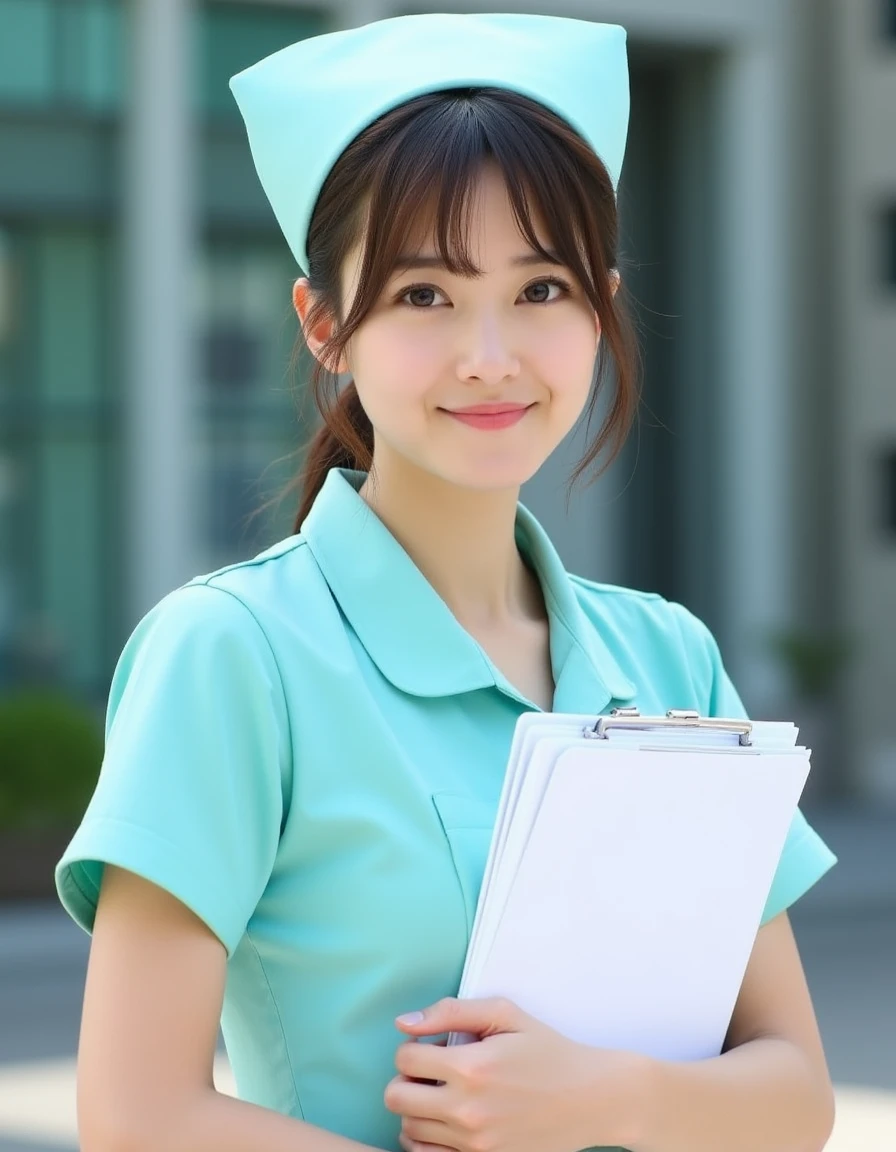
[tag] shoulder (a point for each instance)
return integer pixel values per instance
(659, 642)
(269, 578)
(242, 599)
(617, 607)
(219, 624)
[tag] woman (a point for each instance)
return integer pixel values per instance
(305, 750)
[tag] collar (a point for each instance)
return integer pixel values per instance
(411, 634)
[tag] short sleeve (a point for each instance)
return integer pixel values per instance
(193, 784)
(805, 857)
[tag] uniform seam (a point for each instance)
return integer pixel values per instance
(252, 562)
(614, 589)
(276, 1008)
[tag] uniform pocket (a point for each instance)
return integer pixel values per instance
(467, 823)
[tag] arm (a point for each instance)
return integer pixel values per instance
(770, 1089)
(152, 1002)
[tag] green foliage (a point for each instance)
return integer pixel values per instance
(51, 748)
(813, 661)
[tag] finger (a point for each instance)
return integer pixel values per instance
(481, 1017)
(405, 1098)
(425, 1061)
(414, 1146)
(426, 1131)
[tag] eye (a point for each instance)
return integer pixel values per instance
(422, 296)
(549, 282)
(419, 296)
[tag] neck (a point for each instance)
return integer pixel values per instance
(462, 540)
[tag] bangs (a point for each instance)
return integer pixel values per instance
(426, 185)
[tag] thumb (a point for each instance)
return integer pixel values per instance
(480, 1017)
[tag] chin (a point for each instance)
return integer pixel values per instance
(491, 478)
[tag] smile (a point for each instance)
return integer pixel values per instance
(489, 417)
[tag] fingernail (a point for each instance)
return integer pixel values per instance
(410, 1018)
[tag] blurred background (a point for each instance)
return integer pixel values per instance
(149, 412)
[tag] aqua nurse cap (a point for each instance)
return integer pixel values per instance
(306, 103)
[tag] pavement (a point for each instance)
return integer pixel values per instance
(846, 929)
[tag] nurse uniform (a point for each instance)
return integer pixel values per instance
(307, 750)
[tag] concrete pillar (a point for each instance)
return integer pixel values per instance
(161, 523)
(756, 420)
(355, 13)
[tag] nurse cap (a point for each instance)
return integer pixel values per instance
(306, 103)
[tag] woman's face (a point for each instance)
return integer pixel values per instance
(475, 380)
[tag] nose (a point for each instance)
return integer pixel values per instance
(487, 355)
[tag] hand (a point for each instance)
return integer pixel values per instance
(521, 1087)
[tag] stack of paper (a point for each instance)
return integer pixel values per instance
(628, 875)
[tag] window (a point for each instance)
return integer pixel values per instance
(888, 246)
(58, 435)
(8, 463)
(888, 18)
(250, 428)
(70, 53)
(64, 53)
(233, 36)
(888, 492)
(26, 50)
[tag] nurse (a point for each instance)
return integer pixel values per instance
(305, 750)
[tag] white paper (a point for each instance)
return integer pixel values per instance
(627, 878)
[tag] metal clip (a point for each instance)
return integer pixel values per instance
(674, 718)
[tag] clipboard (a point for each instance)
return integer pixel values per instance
(630, 863)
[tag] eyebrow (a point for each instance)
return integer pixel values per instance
(411, 262)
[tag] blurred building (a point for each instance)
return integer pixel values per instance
(146, 407)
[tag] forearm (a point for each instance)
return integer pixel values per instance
(218, 1123)
(764, 1094)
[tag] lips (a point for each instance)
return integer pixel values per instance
(487, 409)
(489, 417)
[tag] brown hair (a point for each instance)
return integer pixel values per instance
(431, 150)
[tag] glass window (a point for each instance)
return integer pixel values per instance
(71, 52)
(9, 470)
(8, 606)
(61, 52)
(889, 18)
(58, 531)
(71, 359)
(888, 243)
(90, 36)
(888, 503)
(233, 36)
(72, 589)
(26, 51)
(9, 314)
(251, 425)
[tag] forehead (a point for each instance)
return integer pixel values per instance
(459, 232)
(485, 206)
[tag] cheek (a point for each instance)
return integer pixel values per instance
(569, 363)
(394, 372)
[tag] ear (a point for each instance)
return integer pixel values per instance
(317, 336)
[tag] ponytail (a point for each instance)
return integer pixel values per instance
(345, 440)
